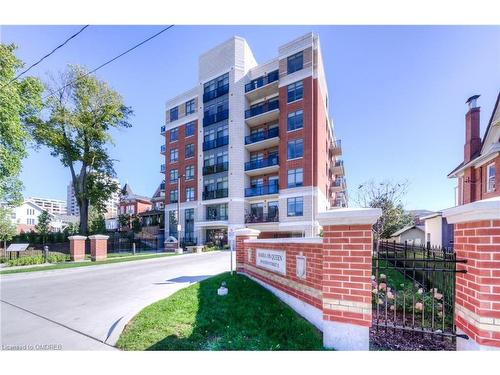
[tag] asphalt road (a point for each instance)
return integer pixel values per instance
(87, 308)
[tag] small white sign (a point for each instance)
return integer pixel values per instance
(274, 260)
(18, 247)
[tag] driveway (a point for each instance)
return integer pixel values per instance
(87, 308)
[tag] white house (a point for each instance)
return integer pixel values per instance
(412, 234)
(437, 230)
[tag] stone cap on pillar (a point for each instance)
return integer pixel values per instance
(349, 216)
(246, 232)
(486, 209)
(98, 237)
(77, 237)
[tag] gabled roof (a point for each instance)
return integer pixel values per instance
(405, 229)
(128, 194)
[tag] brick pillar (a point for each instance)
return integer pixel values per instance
(98, 247)
(347, 268)
(241, 235)
(477, 292)
(77, 248)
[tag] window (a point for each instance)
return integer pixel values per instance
(189, 129)
(490, 177)
(189, 151)
(173, 196)
(190, 107)
(295, 62)
(295, 177)
(295, 206)
(295, 91)
(189, 224)
(189, 172)
(189, 194)
(174, 114)
(174, 155)
(295, 148)
(174, 175)
(295, 120)
(174, 134)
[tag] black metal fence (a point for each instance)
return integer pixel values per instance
(128, 242)
(413, 289)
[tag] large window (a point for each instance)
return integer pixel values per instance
(295, 62)
(174, 114)
(172, 223)
(174, 175)
(295, 91)
(189, 129)
(295, 148)
(490, 177)
(174, 195)
(174, 134)
(190, 107)
(189, 151)
(295, 177)
(295, 120)
(174, 155)
(295, 206)
(189, 194)
(189, 224)
(189, 172)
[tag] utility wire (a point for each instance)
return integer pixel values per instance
(46, 56)
(110, 61)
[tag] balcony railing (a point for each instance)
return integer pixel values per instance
(269, 217)
(262, 81)
(262, 108)
(163, 149)
(215, 194)
(162, 129)
(162, 168)
(215, 93)
(261, 163)
(262, 190)
(216, 217)
(339, 182)
(261, 136)
(215, 168)
(214, 143)
(209, 119)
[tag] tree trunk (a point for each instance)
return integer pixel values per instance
(84, 216)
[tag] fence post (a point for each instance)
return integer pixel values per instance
(477, 292)
(241, 235)
(77, 248)
(347, 269)
(98, 247)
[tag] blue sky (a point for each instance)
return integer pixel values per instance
(397, 94)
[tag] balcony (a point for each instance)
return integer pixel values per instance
(261, 190)
(162, 129)
(162, 168)
(338, 185)
(216, 168)
(262, 166)
(265, 112)
(337, 168)
(215, 93)
(260, 217)
(336, 149)
(209, 119)
(262, 86)
(163, 149)
(218, 217)
(215, 194)
(214, 143)
(263, 139)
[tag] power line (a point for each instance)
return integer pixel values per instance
(46, 56)
(110, 61)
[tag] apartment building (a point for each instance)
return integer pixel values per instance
(52, 206)
(111, 204)
(478, 174)
(252, 145)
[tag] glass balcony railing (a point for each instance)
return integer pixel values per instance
(262, 163)
(261, 190)
(261, 136)
(215, 194)
(262, 108)
(162, 129)
(215, 93)
(262, 81)
(162, 168)
(218, 217)
(163, 149)
(209, 119)
(261, 217)
(215, 168)
(214, 143)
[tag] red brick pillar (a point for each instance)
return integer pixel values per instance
(477, 292)
(98, 247)
(241, 235)
(77, 248)
(347, 268)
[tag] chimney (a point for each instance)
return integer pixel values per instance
(472, 138)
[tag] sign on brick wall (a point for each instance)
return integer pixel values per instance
(273, 260)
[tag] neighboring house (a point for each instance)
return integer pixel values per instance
(131, 203)
(479, 173)
(417, 215)
(252, 144)
(437, 230)
(412, 234)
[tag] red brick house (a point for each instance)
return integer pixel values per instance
(479, 173)
(131, 203)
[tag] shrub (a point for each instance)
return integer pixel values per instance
(226, 247)
(54, 257)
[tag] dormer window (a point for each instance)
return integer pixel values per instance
(490, 177)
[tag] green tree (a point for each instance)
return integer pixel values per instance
(388, 196)
(20, 100)
(78, 131)
(43, 226)
(136, 224)
(124, 220)
(7, 228)
(97, 223)
(71, 229)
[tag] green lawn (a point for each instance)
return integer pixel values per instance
(196, 318)
(58, 266)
